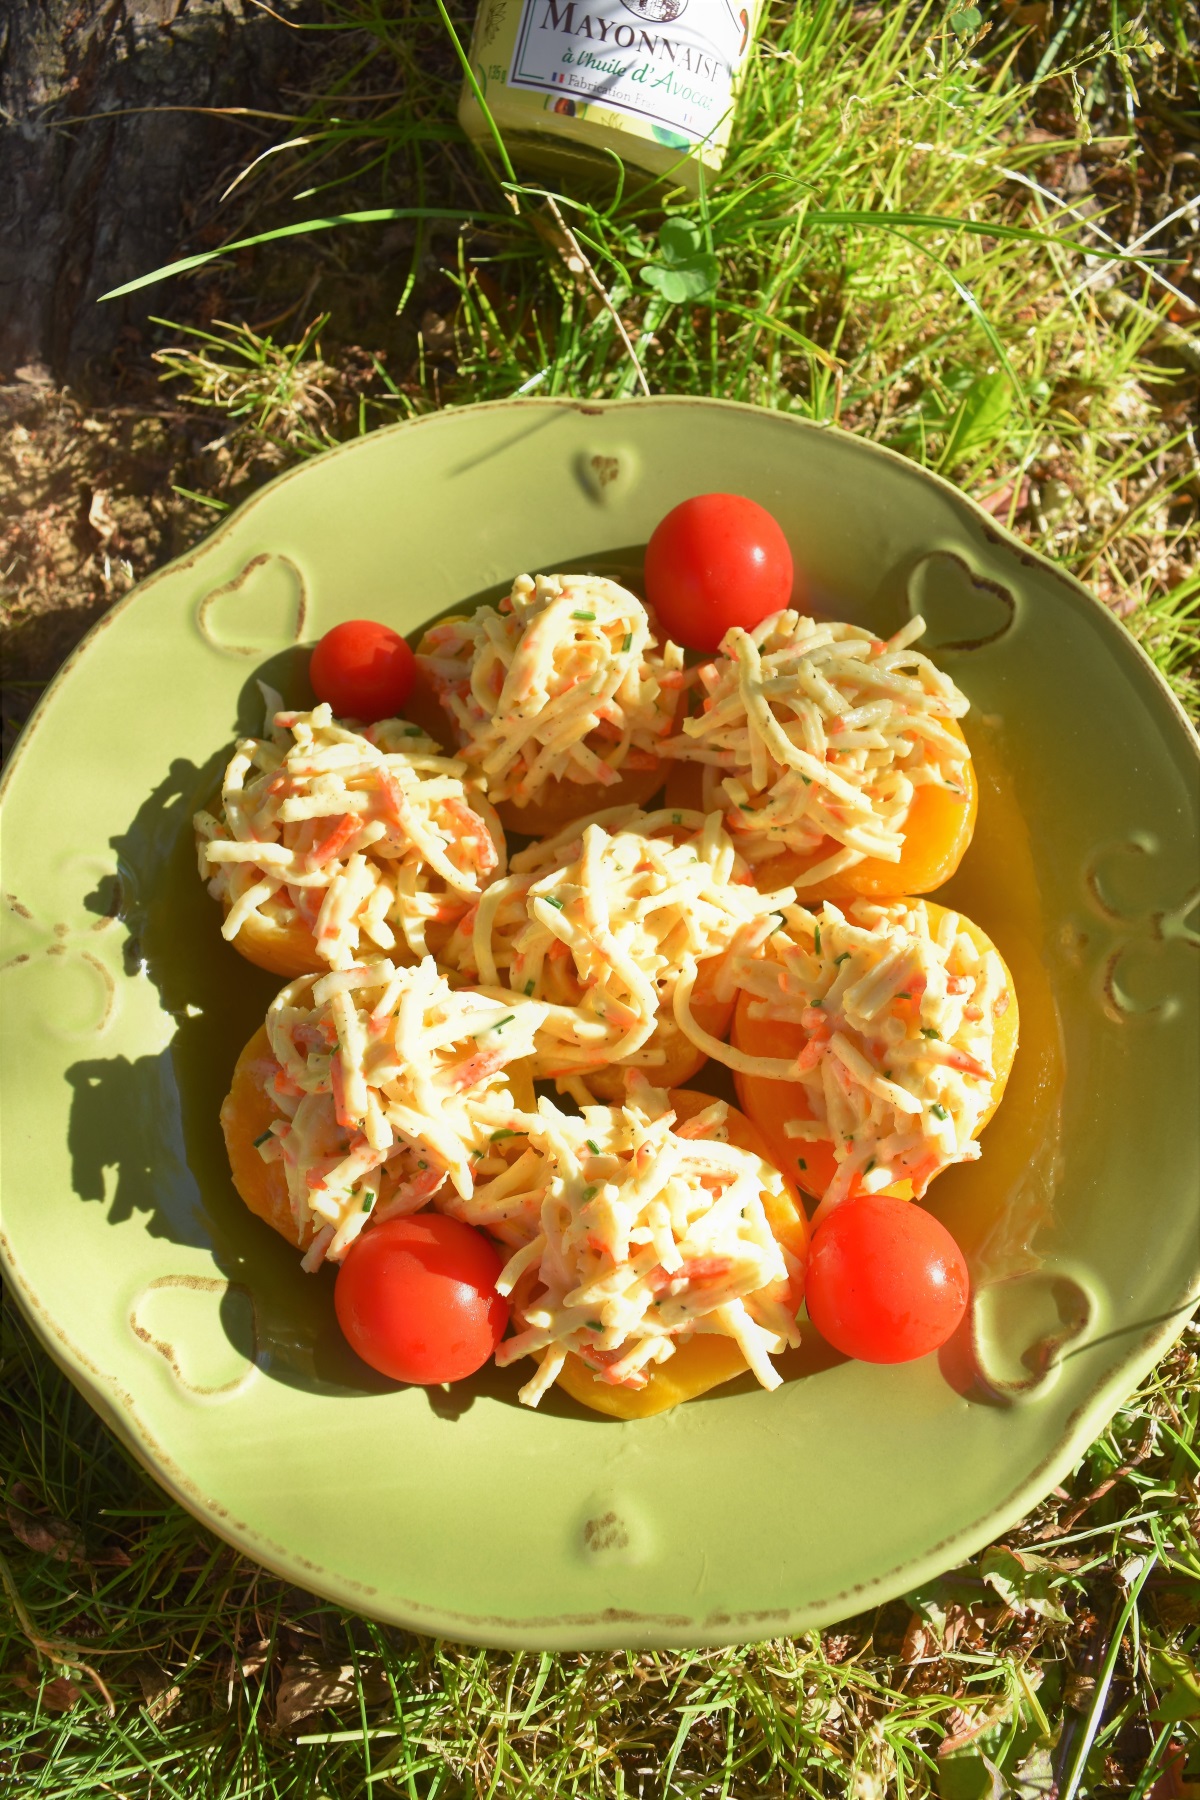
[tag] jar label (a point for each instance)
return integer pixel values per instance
(670, 62)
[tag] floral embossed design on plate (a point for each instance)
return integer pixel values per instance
(85, 996)
(1142, 971)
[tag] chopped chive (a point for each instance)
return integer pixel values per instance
(368, 1202)
(929, 1032)
(802, 1162)
(551, 901)
(529, 987)
(782, 925)
(844, 957)
(593, 1147)
(500, 1023)
(588, 618)
(817, 940)
(589, 1191)
(627, 641)
(497, 1135)
(939, 1112)
(905, 996)
(412, 731)
(594, 1325)
(806, 781)
(677, 818)
(869, 1166)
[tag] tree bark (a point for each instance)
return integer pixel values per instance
(106, 163)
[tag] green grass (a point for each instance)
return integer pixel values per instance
(886, 251)
(880, 253)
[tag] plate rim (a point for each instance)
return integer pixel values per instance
(606, 1629)
(609, 1628)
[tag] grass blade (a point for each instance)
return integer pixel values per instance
(375, 216)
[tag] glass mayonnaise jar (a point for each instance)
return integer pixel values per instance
(568, 81)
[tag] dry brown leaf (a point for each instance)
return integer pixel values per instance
(437, 334)
(254, 1660)
(1029, 17)
(160, 1695)
(1171, 1784)
(39, 1529)
(111, 1557)
(100, 515)
(919, 1642)
(964, 1727)
(59, 1695)
(307, 1687)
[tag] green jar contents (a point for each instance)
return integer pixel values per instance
(571, 82)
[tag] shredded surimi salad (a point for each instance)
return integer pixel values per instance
(627, 1230)
(631, 1233)
(390, 1085)
(367, 837)
(899, 1014)
(821, 731)
(608, 922)
(562, 682)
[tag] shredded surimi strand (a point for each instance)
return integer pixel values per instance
(390, 1084)
(367, 837)
(899, 1015)
(820, 734)
(562, 682)
(603, 921)
(628, 1236)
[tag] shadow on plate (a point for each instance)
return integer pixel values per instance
(144, 1134)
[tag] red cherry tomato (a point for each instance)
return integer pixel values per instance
(363, 669)
(886, 1282)
(716, 561)
(417, 1299)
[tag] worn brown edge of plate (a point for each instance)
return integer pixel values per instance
(613, 1628)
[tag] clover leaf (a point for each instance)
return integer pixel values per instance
(684, 270)
(965, 21)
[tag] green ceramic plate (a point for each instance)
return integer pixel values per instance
(189, 1325)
